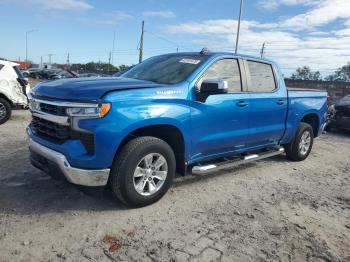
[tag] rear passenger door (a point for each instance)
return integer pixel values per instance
(267, 105)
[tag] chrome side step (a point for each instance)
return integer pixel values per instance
(206, 169)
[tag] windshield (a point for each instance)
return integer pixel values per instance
(166, 69)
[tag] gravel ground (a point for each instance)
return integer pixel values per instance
(271, 210)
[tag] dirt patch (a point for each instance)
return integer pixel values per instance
(271, 210)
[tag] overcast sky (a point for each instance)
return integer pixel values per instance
(296, 32)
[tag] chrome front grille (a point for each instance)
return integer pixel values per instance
(53, 109)
(50, 122)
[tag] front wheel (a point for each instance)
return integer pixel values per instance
(143, 171)
(5, 111)
(300, 148)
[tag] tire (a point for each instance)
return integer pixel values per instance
(295, 151)
(5, 111)
(133, 182)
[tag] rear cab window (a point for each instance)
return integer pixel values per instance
(261, 77)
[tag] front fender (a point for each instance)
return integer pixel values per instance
(129, 115)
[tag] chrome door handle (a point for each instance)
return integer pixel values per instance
(280, 102)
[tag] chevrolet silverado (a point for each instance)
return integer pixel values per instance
(175, 113)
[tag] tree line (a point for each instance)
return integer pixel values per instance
(305, 73)
(97, 67)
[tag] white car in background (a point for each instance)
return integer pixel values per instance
(13, 89)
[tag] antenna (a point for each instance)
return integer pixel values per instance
(204, 51)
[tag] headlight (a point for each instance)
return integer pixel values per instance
(33, 105)
(94, 111)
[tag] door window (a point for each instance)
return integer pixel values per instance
(261, 77)
(228, 70)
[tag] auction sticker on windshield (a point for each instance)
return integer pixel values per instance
(190, 61)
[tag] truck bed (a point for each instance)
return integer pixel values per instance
(304, 89)
(302, 101)
(306, 93)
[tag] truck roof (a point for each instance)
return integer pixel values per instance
(209, 53)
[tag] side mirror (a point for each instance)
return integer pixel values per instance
(212, 87)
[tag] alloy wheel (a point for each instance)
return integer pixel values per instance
(150, 174)
(305, 143)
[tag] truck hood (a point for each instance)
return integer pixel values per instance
(87, 89)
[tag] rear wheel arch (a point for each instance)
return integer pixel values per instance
(313, 120)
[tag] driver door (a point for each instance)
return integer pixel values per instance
(219, 124)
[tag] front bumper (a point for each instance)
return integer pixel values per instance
(51, 161)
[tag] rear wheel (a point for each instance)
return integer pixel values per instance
(300, 148)
(143, 171)
(5, 111)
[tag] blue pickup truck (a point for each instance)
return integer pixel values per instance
(175, 113)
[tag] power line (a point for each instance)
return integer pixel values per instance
(164, 39)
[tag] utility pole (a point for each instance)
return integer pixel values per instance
(27, 33)
(239, 25)
(113, 48)
(109, 60)
(262, 50)
(41, 62)
(68, 60)
(50, 55)
(141, 42)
